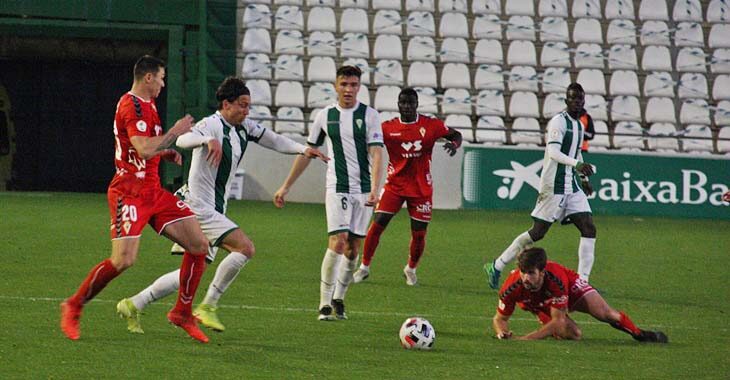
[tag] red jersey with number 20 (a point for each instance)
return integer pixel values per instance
(134, 117)
(555, 291)
(409, 149)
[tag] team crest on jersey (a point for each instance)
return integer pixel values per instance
(359, 123)
(423, 131)
(127, 225)
(242, 133)
(142, 126)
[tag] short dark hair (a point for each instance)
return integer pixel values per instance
(532, 258)
(349, 71)
(147, 64)
(230, 89)
(408, 91)
(575, 86)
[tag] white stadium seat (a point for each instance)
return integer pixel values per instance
(723, 146)
(455, 75)
(427, 100)
(692, 85)
(387, 21)
(326, 3)
(587, 30)
(657, 137)
(655, 33)
(719, 36)
(519, 7)
(289, 17)
(619, 9)
(624, 83)
(694, 111)
(701, 145)
(354, 45)
(687, 10)
(321, 18)
(363, 95)
(526, 131)
(622, 57)
(520, 28)
(621, 31)
(362, 64)
(718, 11)
(521, 53)
(489, 77)
(490, 51)
(453, 25)
(592, 81)
(321, 69)
(691, 60)
(387, 46)
(554, 54)
(689, 34)
(262, 115)
(522, 78)
(420, 5)
(454, 50)
(555, 79)
(256, 40)
(656, 58)
(421, 48)
(481, 7)
(363, 4)
(289, 67)
(453, 6)
(293, 123)
(287, 2)
(490, 102)
(523, 104)
(256, 16)
(388, 72)
(586, 8)
(354, 20)
(386, 98)
(589, 56)
(721, 87)
(321, 95)
(456, 101)
(322, 43)
(260, 92)
(720, 61)
(597, 107)
(496, 132)
(487, 26)
(461, 122)
(625, 108)
(557, 8)
(554, 29)
(659, 84)
(256, 66)
(601, 138)
(653, 10)
(628, 135)
(289, 94)
(422, 74)
(660, 110)
(386, 4)
(553, 104)
(421, 24)
(288, 42)
(722, 114)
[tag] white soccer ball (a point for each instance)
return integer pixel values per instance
(417, 333)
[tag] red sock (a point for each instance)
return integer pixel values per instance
(191, 270)
(625, 324)
(418, 244)
(95, 281)
(371, 242)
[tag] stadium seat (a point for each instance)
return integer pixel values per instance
(656, 58)
(552, 105)
(689, 34)
(460, 122)
(421, 48)
(619, 9)
(592, 81)
(496, 132)
(321, 69)
(659, 84)
(256, 40)
(489, 77)
(490, 102)
(625, 108)
(555, 79)
(720, 61)
(520, 28)
(288, 42)
(422, 74)
(691, 60)
(660, 110)
(521, 53)
(628, 135)
(586, 8)
(554, 8)
(362, 4)
(362, 64)
(489, 51)
(554, 54)
(702, 141)
(723, 146)
(624, 83)
(658, 137)
(256, 16)
(482, 7)
(321, 95)
(386, 4)
(587, 30)
(387, 21)
(262, 115)
(621, 31)
(718, 11)
(692, 85)
(420, 24)
(487, 26)
(388, 72)
(387, 46)
(354, 45)
(519, 7)
(427, 101)
(655, 33)
(687, 10)
(622, 57)
(721, 88)
(289, 67)
(388, 115)
(453, 25)
(289, 94)
(522, 78)
(293, 120)
(323, 43)
(454, 50)
(322, 19)
(554, 29)
(601, 138)
(523, 104)
(455, 75)
(326, 3)
(722, 114)
(456, 101)
(286, 2)
(260, 92)
(354, 20)
(420, 5)
(453, 6)
(589, 56)
(694, 111)
(256, 66)
(719, 36)
(386, 98)
(653, 10)
(289, 17)
(597, 107)
(526, 131)
(363, 95)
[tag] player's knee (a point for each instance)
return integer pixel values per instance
(248, 249)
(588, 230)
(537, 234)
(122, 263)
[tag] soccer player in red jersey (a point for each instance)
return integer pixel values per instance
(550, 291)
(136, 198)
(410, 140)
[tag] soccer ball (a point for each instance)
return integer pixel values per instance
(417, 333)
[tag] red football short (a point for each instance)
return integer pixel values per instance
(419, 208)
(158, 207)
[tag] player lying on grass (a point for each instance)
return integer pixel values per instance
(550, 291)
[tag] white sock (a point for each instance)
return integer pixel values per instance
(365, 267)
(226, 272)
(162, 287)
(521, 242)
(330, 269)
(586, 255)
(347, 268)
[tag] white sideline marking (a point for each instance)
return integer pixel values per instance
(372, 313)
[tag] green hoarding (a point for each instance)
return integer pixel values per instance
(624, 184)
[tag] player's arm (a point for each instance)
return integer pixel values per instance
(283, 144)
(555, 138)
(376, 176)
(148, 147)
(201, 137)
(585, 184)
(500, 323)
(557, 325)
(454, 143)
(297, 168)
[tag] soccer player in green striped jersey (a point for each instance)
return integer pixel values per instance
(354, 140)
(560, 197)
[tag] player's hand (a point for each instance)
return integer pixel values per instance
(584, 168)
(171, 155)
(504, 335)
(182, 126)
(372, 199)
(215, 152)
(587, 187)
(451, 148)
(313, 152)
(279, 196)
(726, 196)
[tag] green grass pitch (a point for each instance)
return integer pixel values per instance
(668, 274)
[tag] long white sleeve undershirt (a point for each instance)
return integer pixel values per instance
(556, 155)
(192, 140)
(281, 144)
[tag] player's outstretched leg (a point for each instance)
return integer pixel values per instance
(181, 315)
(126, 310)
(70, 317)
(225, 274)
(410, 275)
(130, 309)
(492, 275)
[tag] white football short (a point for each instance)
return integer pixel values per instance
(215, 226)
(347, 212)
(552, 207)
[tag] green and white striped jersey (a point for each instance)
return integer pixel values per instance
(349, 133)
(567, 133)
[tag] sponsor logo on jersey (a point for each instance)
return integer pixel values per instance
(142, 126)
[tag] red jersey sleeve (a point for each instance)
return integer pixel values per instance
(556, 277)
(508, 293)
(132, 118)
(439, 129)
